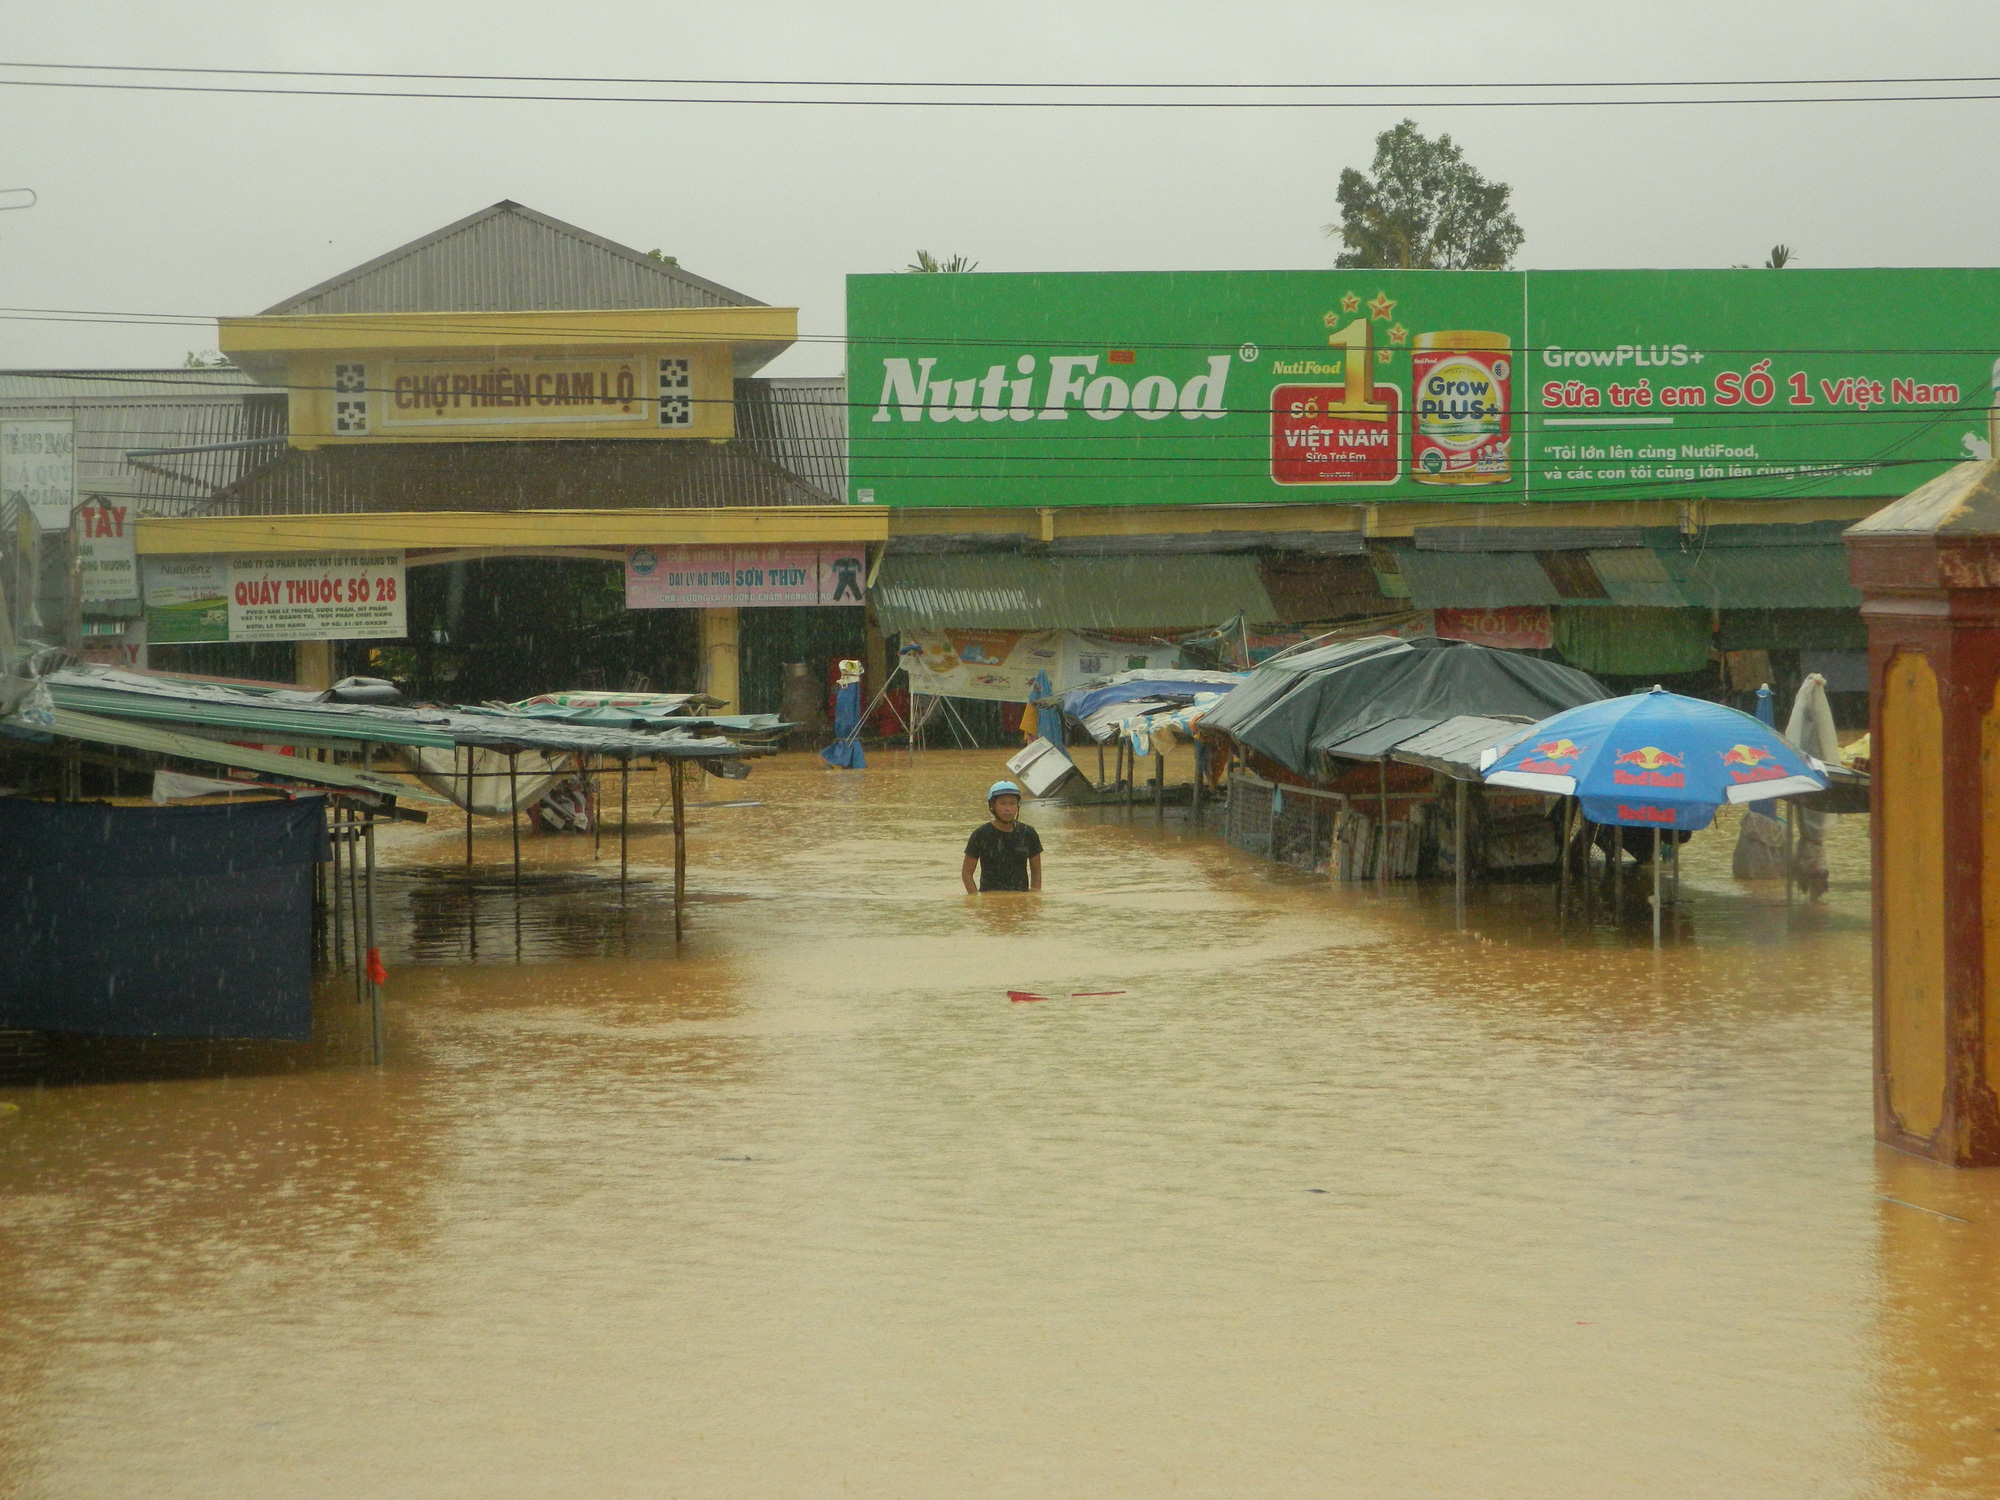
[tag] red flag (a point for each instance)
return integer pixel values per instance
(377, 973)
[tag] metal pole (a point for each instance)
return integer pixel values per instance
(1128, 764)
(624, 818)
(1458, 850)
(1382, 842)
(675, 769)
(1100, 765)
(1618, 872)
(1790, 856)
(1583, 853)
(1656, 887)
(1159, 787)
(468, 814)
(339, 905)
(374, 989)
(1562, 879)
(354, 906)
(514, 816)
(596, 812)
(1194, 801)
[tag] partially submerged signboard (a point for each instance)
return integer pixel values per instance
(742, 577)
(347, 596)
(1261, 387)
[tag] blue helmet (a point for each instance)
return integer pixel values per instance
(1001, 789)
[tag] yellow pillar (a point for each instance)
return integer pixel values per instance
(719, 661)
(313, 664)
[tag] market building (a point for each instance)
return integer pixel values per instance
(507, 455)
(561, 458)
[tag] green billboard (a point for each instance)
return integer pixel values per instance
(1260, 387)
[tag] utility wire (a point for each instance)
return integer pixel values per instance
(1389, 102)
(886, 83)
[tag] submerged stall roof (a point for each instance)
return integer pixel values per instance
(1311, 711)
(1454, 746)
(89, 728)
(1169, 686)
(279, 715)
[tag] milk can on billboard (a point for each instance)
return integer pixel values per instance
(1462, 382)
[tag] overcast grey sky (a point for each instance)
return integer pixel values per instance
(215, 204)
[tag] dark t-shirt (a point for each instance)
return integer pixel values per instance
(1003, 857)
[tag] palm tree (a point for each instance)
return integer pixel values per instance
(926, 261)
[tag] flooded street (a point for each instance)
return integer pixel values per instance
(1287, 1188)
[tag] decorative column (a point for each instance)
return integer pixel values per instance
(719, 664)
(1928, 568)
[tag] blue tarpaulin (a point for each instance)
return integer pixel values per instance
(159, 921)
(1173, 686)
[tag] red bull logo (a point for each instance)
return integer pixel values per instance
(1645, 814)
(1755, 762)
(1552, 757)
(1650, 765)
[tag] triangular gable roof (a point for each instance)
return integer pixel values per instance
(509, 258)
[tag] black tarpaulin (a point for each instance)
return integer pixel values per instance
(159, 921)
(1418, 679)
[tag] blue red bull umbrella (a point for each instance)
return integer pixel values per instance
(1654, 760)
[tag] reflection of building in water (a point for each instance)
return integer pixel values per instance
(1937, 1352)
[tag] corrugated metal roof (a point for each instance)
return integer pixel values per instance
(1305, 589)
(1524, 538)
(1374, 744)
(1764, 577)
(1454, 747)
(73, 725)
(509, 258)
(800, 425)
(1474, 580)
(1637, 576)
(560, 475)
(118, 411)
(1072, 593)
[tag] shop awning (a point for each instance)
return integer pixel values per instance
(1716, 572)
(996, 591)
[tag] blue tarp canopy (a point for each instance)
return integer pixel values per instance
(1173, 687)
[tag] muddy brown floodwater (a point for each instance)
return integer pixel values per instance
(1327, 1198)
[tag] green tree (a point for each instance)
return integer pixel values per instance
(1781, 256)
(926, 261)
(1425, 208)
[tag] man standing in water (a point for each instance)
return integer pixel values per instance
(1006, 851)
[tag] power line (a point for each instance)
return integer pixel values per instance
(1018, 84)
(1389, 102)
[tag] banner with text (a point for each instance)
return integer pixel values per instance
(1252, 387)
(38, 467)
(346, 596)
(1001, 664)
(742, 577)
(107, 558)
